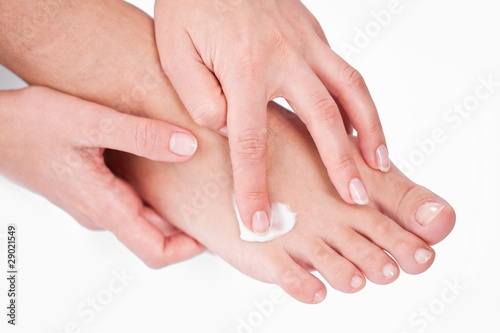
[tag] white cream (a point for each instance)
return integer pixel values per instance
(282, 221)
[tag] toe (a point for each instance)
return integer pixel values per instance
(413, 255)
(414, 207)
(297, 282)
(373, 261)
(339, 272)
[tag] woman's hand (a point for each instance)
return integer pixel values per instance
(53, 144)
(228, 58)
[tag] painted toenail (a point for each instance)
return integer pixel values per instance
(183, 144)
(423, 255)
(389, 271)
(319, 296)
(428, 212)
(358, 192)
(383, 162)
(260, 222)
(356, 282)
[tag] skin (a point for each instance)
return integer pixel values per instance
(339, 240)
(238, 56)
(53, 144)
(67, 164)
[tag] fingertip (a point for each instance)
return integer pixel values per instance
(260, 222)
(358, 191)
(383, 162)
(183, 144)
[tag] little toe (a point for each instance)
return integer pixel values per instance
(297, 282)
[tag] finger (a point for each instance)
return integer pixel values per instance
(159, 222)
(348, 86)
(123, 213)
(247, 124)
(197, 87)
(345, 118)
(314, 105)
(152, 139)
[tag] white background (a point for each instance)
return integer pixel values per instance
(429, 57)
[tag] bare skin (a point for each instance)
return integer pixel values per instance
(343, 242)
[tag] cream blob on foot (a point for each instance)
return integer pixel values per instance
(282, 221)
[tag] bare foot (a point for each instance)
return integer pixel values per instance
(344, 243)
(122, 70)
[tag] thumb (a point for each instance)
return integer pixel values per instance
(149, 138)
(198, 88)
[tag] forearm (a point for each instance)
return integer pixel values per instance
(103, 51)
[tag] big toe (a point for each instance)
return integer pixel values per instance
(414, 207)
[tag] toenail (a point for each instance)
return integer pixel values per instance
(319, 296)
(358, 192)
(356, 282)
(428, 212)
(260, 222)
(389, 271)
(383, 162)
(183, 144)
(423, 255)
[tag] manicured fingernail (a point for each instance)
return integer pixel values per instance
(422, 256)
(383, 162)
(428, 212)
(358, 192)
(356, 282)
(260, 222)
(183, 144)
(389, 271)
(319, 296)
(223, 131)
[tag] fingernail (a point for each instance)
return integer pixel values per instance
(223, 131)
(356, 282)
(183, 144)
(319, 296)
(260, 222)
(358, 192)
(428, 212)
(389, 271)
(422, 256)
(383, 162)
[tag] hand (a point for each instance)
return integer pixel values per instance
(228, 58)
(53, 144)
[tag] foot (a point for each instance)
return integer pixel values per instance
(346, 244)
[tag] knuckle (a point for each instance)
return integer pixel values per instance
(254, 196)
(155, 262)
(343, 162)
(325, 110)
(209, 113)
(380, 226)
(158, 259)
(352, 78)
(403, 246)
(146, 136)
(371, 260)
(251, 145)
(375, 129)
(291, 281)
